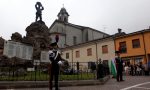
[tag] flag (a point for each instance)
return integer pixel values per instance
(113, 69)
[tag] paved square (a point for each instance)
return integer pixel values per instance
(130, 83)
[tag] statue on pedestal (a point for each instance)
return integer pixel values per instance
(39, 9)
(38, 34)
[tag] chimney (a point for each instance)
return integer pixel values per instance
(119, 30)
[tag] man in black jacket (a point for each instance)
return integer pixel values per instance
(55, 58)
(119, 66)
(100, 70)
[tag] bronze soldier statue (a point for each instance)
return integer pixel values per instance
(39, 9)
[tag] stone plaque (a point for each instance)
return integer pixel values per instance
(45, 56)
(17, 49)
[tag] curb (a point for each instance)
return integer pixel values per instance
(42, 84)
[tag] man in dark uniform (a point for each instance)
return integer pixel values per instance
(100, 70)
(55, 58)
(119, 66)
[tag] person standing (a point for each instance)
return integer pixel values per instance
(55, 58)
(126, 70)
(100, 70)
(138, 70)
(132, 70)
(119, 66)
(135, 69)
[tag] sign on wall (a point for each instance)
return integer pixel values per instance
(20, 50)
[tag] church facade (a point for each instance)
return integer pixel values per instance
(71, 34)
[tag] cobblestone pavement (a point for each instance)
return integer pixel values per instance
(130, 83)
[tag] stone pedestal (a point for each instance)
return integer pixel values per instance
(38, 36)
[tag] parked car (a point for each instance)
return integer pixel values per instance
(69, 72)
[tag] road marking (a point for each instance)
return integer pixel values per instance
(134, 86)
(143, 88)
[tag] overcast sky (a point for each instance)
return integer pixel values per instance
(103, 15)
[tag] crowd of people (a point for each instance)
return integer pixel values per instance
(136, 70)
(130, 69)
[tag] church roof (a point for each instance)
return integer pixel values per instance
(111, 37)
(75, 26)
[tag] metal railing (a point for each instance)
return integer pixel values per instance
(73, 71)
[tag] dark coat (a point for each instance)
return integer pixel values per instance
(119, 64)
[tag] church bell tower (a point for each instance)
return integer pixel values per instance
(63, 15)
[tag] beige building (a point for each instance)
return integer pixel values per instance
(90, 51)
